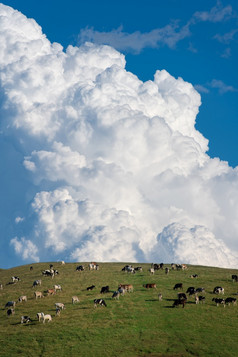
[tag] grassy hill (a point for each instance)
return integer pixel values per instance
(137, 324)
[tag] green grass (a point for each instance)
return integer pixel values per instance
(138, 324)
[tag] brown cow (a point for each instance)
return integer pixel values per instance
(150, 286)
(127, 287)
(51, 292)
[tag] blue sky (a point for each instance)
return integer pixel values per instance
(92, 156)
(204, 54)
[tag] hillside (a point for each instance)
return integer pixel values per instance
(137, 324)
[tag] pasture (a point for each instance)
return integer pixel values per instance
(137, 324)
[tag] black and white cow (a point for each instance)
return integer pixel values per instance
(99, 302)
(218, 290)
(219, 301)
(230, 300)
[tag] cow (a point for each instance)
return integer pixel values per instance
(92, 266)
(160, 297)
(116, 295)
(51, 292)
(10, 312)
(182, 296)
(121, 291)
(234, 278)
(178, 286)
(230, 300)
(128, 269)
(45, 317)
(99, 302)
(127, 287)
(219, 301)
(138, 269)
(166, 270)
(49, 272)
(15, 279)
(25, 319)
(80, 268)
(62, 262)
(152, 271)
(59, 305)
(149, 286)
(10, 304)
(218, 290)
(104, 289)
(22, 298)
(179, 302)
(91, 287)
(191, 290)
(200, 290)
(38, 294)
(173, 266)
(31, 268)
(75, 299)
(184, 267)
(194, 276)
(36, 282)
(57, 287)
(199, 299)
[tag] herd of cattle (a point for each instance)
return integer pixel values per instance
(181, 299)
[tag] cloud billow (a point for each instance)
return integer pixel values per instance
(120, 170)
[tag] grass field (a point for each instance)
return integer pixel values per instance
(137, 324)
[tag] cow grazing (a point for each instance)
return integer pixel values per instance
(121, 291)
(126, 287)
(200, 290)
(179, 302)
(166, 270)
(218, 290)
(90, 287)
(36, 282)
(38, 315)
(10, 312)
(201, 299)
(104, 289)
(31, 268)
(194, 276)
(128, 269)
(230, 300)
(59, 305)
(38, 294)
(219, 301)
(116, 295)
(10, 304)
(138, 269)
(182, 296)
(178, 286)
(22, 298)
(234, 278)
(99, 302)
(152, 271)
(75, 299)
(191, 290)
(49, 272)
(80, 268)
(25, 319)
(57, 287)
(51, 292)
(15, 279)
(92, 266)
(149, 286)
(45, 317)
(173, 266)
(57, 312)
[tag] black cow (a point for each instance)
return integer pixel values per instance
(179, 302)
(230, 300)
(200, 290)
(91, 287)
(25, 319)
(178, 286)
(182, 296)
(100, 302)
(191, 290)
(104, 289)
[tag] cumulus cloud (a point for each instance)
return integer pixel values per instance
(121, 172)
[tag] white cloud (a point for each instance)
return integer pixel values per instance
(19, 219)
(135, 42)
(221, 86)
(115, 161)
(217, 14)
(25, 248)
